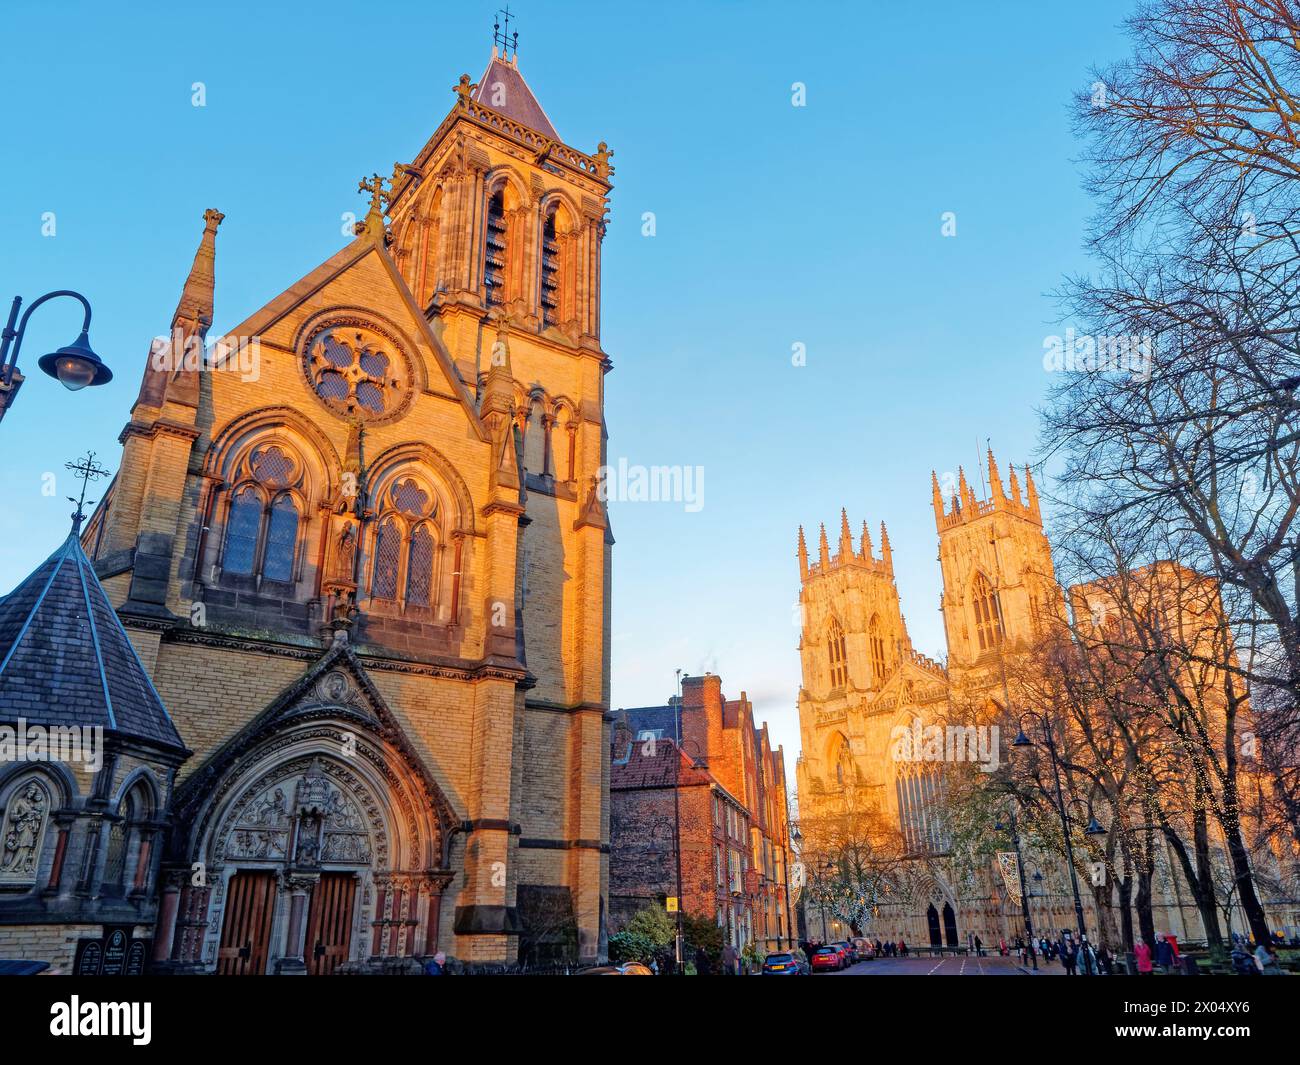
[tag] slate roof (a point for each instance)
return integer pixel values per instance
(515, 99)
(660, 765)
(65, 658)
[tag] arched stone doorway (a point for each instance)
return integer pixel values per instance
(316, 843)
(949, 924)
(932, 919)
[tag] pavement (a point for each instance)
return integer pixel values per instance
(961, 965)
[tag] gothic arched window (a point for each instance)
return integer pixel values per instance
(281, 540)
(835, 650)
(876, 641)
(242, 528)
(988, 613)
(494, 250)
(262, 520)
(406, 542)
(388, 546)
(419, 570)
(550, 271)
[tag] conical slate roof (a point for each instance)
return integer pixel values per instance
(503, 89)
(65, 658)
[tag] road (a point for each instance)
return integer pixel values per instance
(946, 966)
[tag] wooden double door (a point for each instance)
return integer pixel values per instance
(250, 910)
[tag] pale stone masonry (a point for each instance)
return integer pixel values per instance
(371, 579)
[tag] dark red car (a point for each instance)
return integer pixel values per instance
(827, 958)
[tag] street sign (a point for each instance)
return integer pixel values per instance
(672, 904)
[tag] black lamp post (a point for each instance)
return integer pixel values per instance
(1093, 828)
(75, 365)
(1024, 895)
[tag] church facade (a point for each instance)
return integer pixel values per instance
(864, 686)
(370, 580)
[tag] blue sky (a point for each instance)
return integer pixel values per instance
(775, 225)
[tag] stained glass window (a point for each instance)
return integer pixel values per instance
(281, 539)
(388, 546)
(241, 532)
(419, 573)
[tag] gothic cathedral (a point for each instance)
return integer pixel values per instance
(363, 561)
(862, 680)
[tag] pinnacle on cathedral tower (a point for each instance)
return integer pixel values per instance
(886, 552)
(824, 551)
(938, 496)
(995, 481)
(846, 537)
(803, 556)
(865, 552)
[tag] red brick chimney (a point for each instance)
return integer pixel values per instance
(702, 716)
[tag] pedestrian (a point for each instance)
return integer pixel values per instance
(702, 966)
(1266, 960)
(437, 965)
(902, 947)
(1164, 954)
(979, 947)
(1103, 961)
(1087, 958)
(1142, 951)
(1069, 955)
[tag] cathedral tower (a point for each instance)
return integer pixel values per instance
(998, 582)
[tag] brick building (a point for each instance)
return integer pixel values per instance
(358, 548)
(700, 758)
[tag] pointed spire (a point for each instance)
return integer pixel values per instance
(1031, 494)
(824, 551)
(938, 496)
(886, 551)
(865, 553)
(195, 307)
(803, 556)
(846, 537)
(964, 493)
(995, 481)
(1015, 486)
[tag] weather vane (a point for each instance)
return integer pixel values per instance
(87, 470)
(503, 38)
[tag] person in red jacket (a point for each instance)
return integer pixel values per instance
(1143, 954)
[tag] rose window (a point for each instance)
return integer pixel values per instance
(357, 371)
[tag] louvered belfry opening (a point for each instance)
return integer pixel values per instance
(494, 256)
(550, 298)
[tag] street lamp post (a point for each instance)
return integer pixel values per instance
(1024, 896)
(1093, 828)
(75, 365)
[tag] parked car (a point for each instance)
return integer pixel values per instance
(827, 957)
(865, 948)
(627, 968)
(847, 949)
(786, 963)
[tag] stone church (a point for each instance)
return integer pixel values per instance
(359, 551)
(863, 680)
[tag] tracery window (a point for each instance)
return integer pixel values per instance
(835, 650)
(877, 643)
(405, 548)
(262, 522)
(988, 613)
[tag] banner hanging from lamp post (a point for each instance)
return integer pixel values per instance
(1010, 866)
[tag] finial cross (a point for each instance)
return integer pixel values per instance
(504, 38)
(86, 470)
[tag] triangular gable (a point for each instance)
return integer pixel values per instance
(273, 315)
(303, 696)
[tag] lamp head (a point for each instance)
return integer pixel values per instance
(75, 365)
